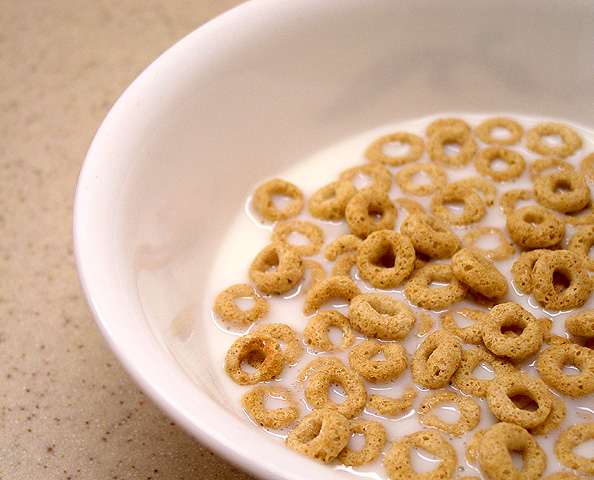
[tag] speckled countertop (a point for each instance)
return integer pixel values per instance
(68, 410)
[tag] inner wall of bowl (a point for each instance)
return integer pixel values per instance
(304, 76)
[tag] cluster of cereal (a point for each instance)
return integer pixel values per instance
(438, 270)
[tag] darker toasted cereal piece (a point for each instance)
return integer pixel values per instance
(469, 410)
(317, 390)
(419, 292)
(571, 141)
(253, 403)
(226, 307)
(564, 191)
(494, 453)
(436, 360)
(514, 131)
(316, 331)
(309, 230)
(336, 286)
(263, 200)
(504, 387)
(511, 331)
(550, 365)
(581, 323)
(534, 226)
(560, 281)
(464, 378)
(404, 178)
(430, 236)
(390, 406)
(376, 150)
(385, 258)
(329, 202)
(322, 435)
(381, 316)
(397, 461)
(514, 161)
(474, 207)
(394, 363)
(581, 243)
(571, 438)
(370, 210)
(479, 273)
(246, 345)
(287, 269)
(447, 135)
(375, 439)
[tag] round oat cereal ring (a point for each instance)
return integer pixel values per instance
(317, 390)
(317, 329)
(341, 245)
(381, 316)
(253, 403)
(419, 292)
(467, 382)
(336, 286)
(322, 435)
(581, 323)
(430, 236)
(560, 281)
(581, 243)
(390, 406)
(587, 166)
(385, 258)
(510, 199)
(564, 191)
(512, 332)
(436, 360)
(425, 324)
(309, 230)
(344, 264)
(375, 439)
(481, 185)
(376, 152)
(271, 365)
(496, 446)
(570, 140)
(314, 271)
(469, 410)
(397, 461)
(534, 226)
(276, 269)
(226, 307)
(582, 217)
(370, 210)
(479, 273)
(504, 387)
(394, 363)
(486, 129)
(474, 207)
(522, 270)
(540, 165)
(314, 365)
(472, 334)
(329, 202)
(264, 196)
(376, 174)
(503, 250)
(445, 137)
(437, 175)
(550, 365)
(409, 205)
(288, 339)
(571, 438)
(554, 418)
(447, 122)
(514, 161)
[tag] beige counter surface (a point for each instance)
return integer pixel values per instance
(68, 410)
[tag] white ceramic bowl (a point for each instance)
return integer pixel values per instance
(247, 95)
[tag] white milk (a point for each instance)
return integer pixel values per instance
(248, 236)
